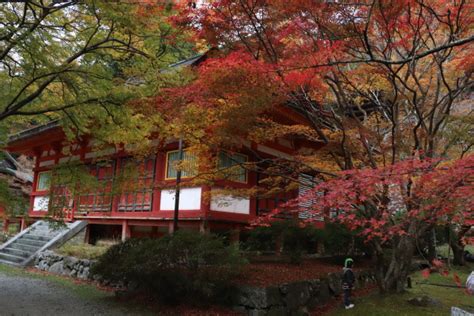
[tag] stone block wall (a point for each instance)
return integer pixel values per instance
(296, 298)
(63, 265)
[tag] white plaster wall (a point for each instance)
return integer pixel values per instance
(189, 199)
(46, 163)
(69, 158)
(229, 203)
(273, 152)
(41, 203)
(100, 153)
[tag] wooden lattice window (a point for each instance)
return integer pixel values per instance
(44, 180)
(231, 165)
(307, 183)
(61, 200)
(189, 164)
(61, 196)
(138, 196)
(99, 199)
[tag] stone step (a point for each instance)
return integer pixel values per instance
(18, 252)
(21, 249)
(25, 247)
(49, 236)
(31, 242)
(45, 231)
(41, 229)
(11, 258)
(38, 237)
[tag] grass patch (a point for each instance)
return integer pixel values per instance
(83, 251)
(397, 304)
(443, 250)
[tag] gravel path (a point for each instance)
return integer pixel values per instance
(30, 296)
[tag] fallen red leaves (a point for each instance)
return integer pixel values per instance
(266, 274)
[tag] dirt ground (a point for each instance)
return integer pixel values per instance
(28, 296)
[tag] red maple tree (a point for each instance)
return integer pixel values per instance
(393, 207)
(376, 80)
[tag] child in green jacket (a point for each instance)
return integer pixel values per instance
(348, 280)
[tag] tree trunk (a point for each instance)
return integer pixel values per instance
(379, 263)
(458, 255)
(431, 245)
(394, 277)
(456, 244)
(279, 245)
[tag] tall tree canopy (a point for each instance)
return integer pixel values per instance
(378, 81)
(81, 60)
(84, 63)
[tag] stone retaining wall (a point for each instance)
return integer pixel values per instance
(296, 298)
(63, 265)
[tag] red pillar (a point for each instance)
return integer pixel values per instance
(170, 228)
(6, 223)
(116, 197)
(204, 227)
(125, 230)
(87, 237)
(22, 224)
(205, 208)
(159, 177)
(234, 236)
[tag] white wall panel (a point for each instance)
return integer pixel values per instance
(41, 203)
(274, 152)
(46, 163)
(101, 153)
(228, 203)
(69, 158)
(189, 199)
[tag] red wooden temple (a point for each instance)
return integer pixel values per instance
(149, 210)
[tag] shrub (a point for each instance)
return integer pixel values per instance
(260, 239)
(339, 240)
(4, 236)
(185, 267)
(293, 239)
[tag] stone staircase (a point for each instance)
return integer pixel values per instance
(22, 248)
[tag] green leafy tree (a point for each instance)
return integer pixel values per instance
(80, 60)
(87, 64)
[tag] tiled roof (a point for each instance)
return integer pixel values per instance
(33, 131)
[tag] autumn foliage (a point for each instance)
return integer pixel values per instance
(393, 207)
(383, 203)
(225, 100)
(375, 82)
